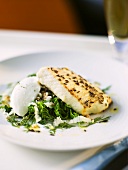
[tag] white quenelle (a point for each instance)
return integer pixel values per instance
(24, 93)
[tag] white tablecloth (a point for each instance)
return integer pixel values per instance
(13, 43)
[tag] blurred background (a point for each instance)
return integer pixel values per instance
(61, 16)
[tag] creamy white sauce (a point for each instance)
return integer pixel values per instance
(77, 119)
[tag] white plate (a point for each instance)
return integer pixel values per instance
(105, 70)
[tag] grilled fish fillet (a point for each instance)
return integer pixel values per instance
(74, 90)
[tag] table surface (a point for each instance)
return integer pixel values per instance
(14, 43)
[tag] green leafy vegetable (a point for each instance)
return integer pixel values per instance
(32, 75)
(48, 114)
(13, 119)
(6, 107)
(98, 120)
(26, 121)
(65, 125)
(106, 89)
(63, 110)
(1, 98)
(59, 109)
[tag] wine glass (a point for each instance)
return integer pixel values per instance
(116, 13)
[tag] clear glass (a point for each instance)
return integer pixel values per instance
(116, 12)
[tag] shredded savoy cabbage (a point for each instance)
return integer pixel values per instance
(49, 111)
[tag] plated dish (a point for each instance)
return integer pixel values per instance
(90, 67)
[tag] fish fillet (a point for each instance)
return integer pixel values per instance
(74, 90)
